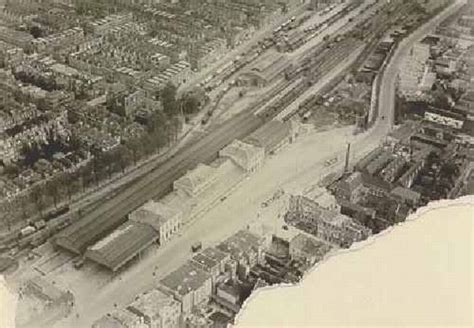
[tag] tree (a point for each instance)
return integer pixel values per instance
(36, 31)
(190, 104)
(52, 189)
(135, 146)
(68, 180)
(37, 198)
(168, 99)
(124, 157)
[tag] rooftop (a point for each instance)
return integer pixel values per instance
(269, 135)
(241, 242)
(151, 303)
(196, 179)
(309, 245)
(406, 193)
(122, 245)
(185, 279)
(241, 151)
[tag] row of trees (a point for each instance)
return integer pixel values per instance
(161, 130)
(188, 104)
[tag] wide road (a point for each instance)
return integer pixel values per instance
(388, 82)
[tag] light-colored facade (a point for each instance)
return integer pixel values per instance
(164, 220)
(157, 309)
(247, 156)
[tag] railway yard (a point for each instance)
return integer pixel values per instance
(323, 81)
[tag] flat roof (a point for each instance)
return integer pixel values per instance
(240, 243)
(204, 262)
(185, 279)
(151, 303)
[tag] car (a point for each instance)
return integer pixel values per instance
(78, 262)
(383, 117)
(223, 198)
(196, 247)
(285, 227)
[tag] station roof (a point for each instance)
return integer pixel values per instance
(122, 245)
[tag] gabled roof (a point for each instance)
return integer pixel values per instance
(198, 177)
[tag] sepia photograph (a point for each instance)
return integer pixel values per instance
(236, 163)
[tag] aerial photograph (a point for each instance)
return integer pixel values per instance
(162, 160)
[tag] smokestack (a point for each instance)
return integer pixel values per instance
(348, 153)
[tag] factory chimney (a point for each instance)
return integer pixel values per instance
(348, 153)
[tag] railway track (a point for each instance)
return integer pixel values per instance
(112, 212)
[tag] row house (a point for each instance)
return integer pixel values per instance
(59, 41)
(17, 38)
(10, 55)
(201, 56)
(105, 25)
(172, 50)
(177, 74)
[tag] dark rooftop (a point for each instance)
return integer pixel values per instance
(122, 245)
